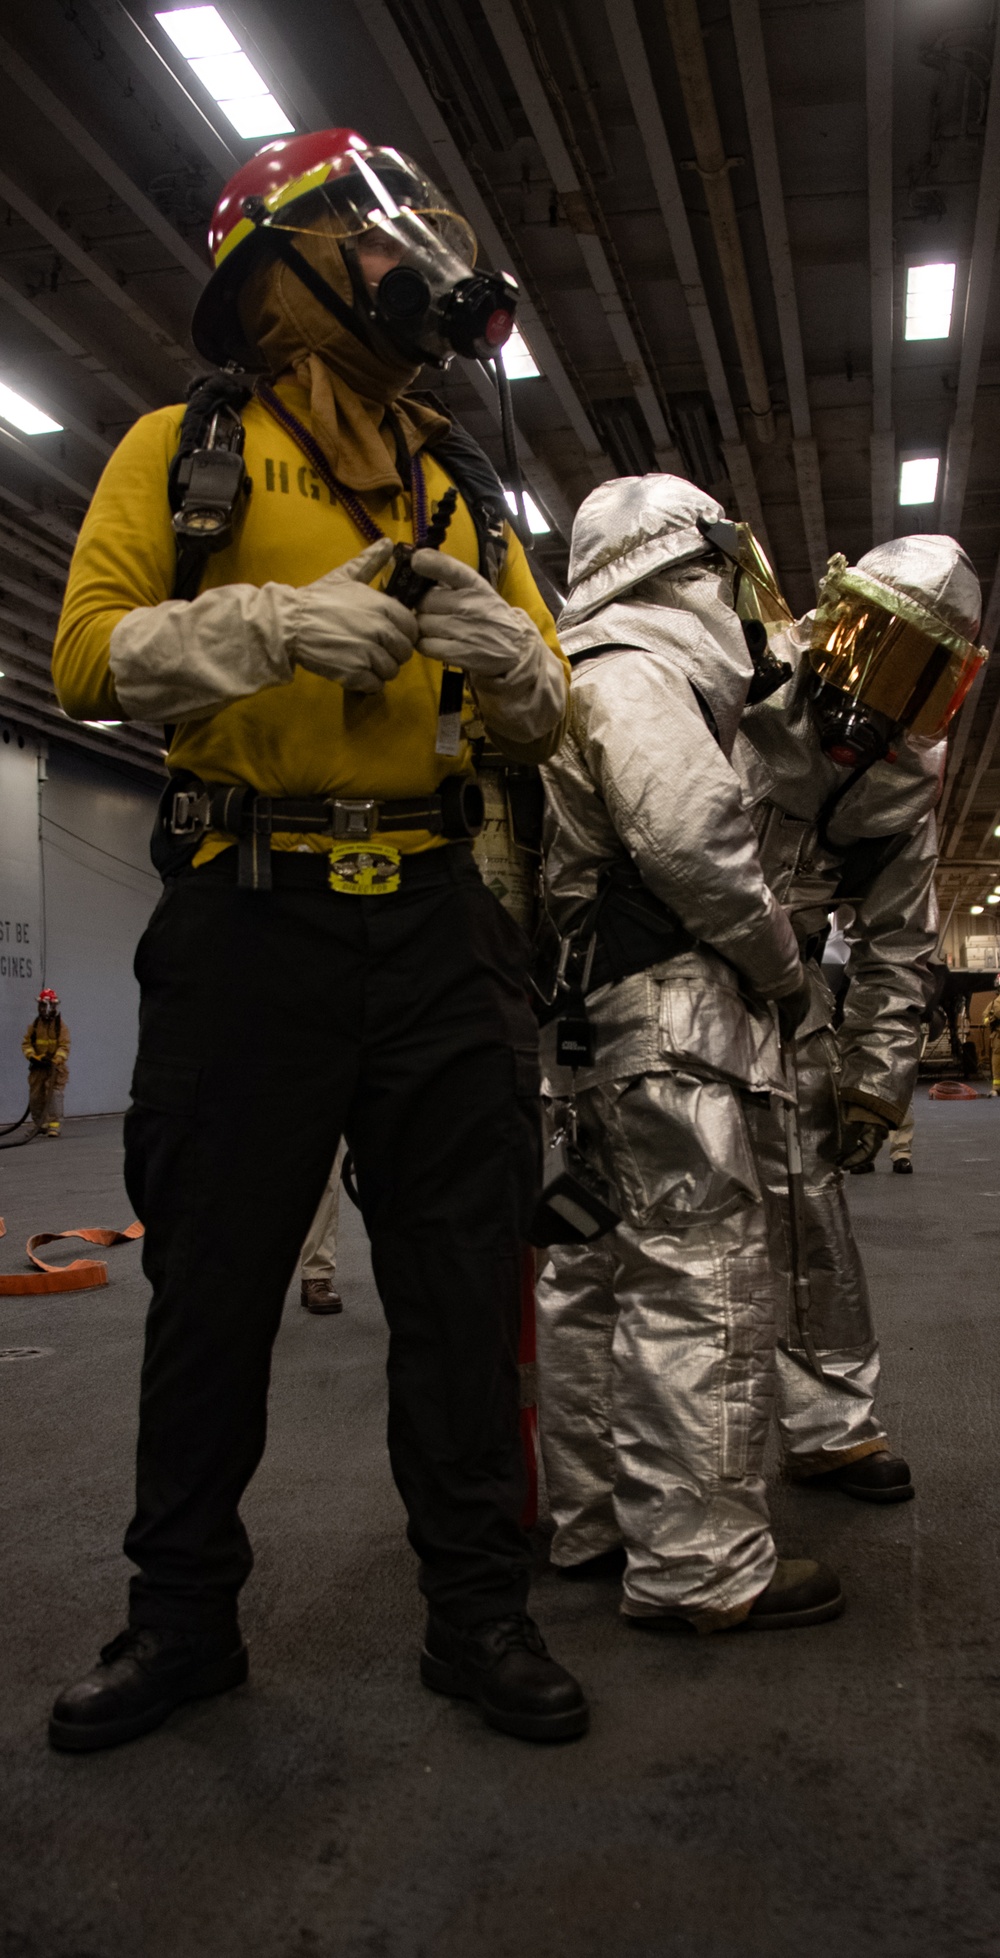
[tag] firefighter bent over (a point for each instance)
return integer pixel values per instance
(316, 839)
(46, 1049)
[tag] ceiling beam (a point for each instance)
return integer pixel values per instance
(127, 192)
(520, 65)
(713, 167)
(986, 753)
(33, 460)
(76, 254)
(752, 60)
(41, 398)
(183, 108)
(984, 244)
(33, 713)
(92, 365)
(398, 59)
(879, 27)
(37, 551)
(45, 519)
(634, 63)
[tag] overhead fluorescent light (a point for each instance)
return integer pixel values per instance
(518, 359)
(24, 415)
(102, 723)
(930, 296)
(975, 910)
(214, 54)
(994, 897)
(538, 525)
(918, 480)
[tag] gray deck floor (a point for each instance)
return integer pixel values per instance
(831, 1793)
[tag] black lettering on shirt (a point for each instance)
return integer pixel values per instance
(313, 489)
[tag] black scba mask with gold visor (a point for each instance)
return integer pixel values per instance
(760, 604)
(411, 260)
(886, 665)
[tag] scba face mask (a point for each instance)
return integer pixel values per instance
(758, 600)
(411, 260)
(884, 666)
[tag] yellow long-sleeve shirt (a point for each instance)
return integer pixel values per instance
(308, 738)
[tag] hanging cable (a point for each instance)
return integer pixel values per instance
(511, 457)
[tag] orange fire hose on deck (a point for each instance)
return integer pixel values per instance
(83, 1275)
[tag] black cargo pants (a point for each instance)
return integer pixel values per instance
(410, 1011)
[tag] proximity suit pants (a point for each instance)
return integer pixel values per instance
(423, 1053)
(655, 1356)
(823, 1423)
(319, 1252)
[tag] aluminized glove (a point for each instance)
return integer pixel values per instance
(792, 1007)
(180, 661)
(520, 683)
(862, 1134)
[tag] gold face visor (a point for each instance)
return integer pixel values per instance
(912, 669)
(756, 591)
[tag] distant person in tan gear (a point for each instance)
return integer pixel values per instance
(46, 1049)
(991, 1026)
(319, 1252)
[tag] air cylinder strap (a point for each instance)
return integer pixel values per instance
(83, 1275)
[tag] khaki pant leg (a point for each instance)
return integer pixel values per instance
(901, 1138)
(319, 1252)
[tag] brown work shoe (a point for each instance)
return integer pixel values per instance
(318, 1296)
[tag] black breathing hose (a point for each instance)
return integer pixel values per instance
(510, 447)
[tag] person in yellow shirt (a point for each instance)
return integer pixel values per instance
(46, 1049)
(315, 842)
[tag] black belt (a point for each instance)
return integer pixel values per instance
(191, 808)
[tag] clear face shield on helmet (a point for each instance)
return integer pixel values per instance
(410, 258)
(885, 666)
(760, 604)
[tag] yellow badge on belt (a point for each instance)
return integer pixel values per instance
(366, 870)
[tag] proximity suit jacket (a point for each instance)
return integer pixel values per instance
(644, 774)
(878, 856)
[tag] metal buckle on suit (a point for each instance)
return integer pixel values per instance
(355, 822)
(189, 816)
(576, 961)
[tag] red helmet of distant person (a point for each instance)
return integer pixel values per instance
(48, 1002)
(430, 302)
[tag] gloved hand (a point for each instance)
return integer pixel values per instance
(42, 1064)
(178, 661)
(792, 1009)
(344, 630)
(862, 1134)
(520, 683)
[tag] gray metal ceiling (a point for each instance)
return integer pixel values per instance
(711, 208)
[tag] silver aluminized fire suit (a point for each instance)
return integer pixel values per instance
(656, 1344)
(878, 856)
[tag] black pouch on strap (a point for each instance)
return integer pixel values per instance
(634, 928)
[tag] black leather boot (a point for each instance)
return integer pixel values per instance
(503, 1665)
(801, 1592)
(140, 1678)
(875, 1478)
(608, 1566)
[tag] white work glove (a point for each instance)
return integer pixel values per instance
(179, 661)
(343, 630)
(519, 682)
